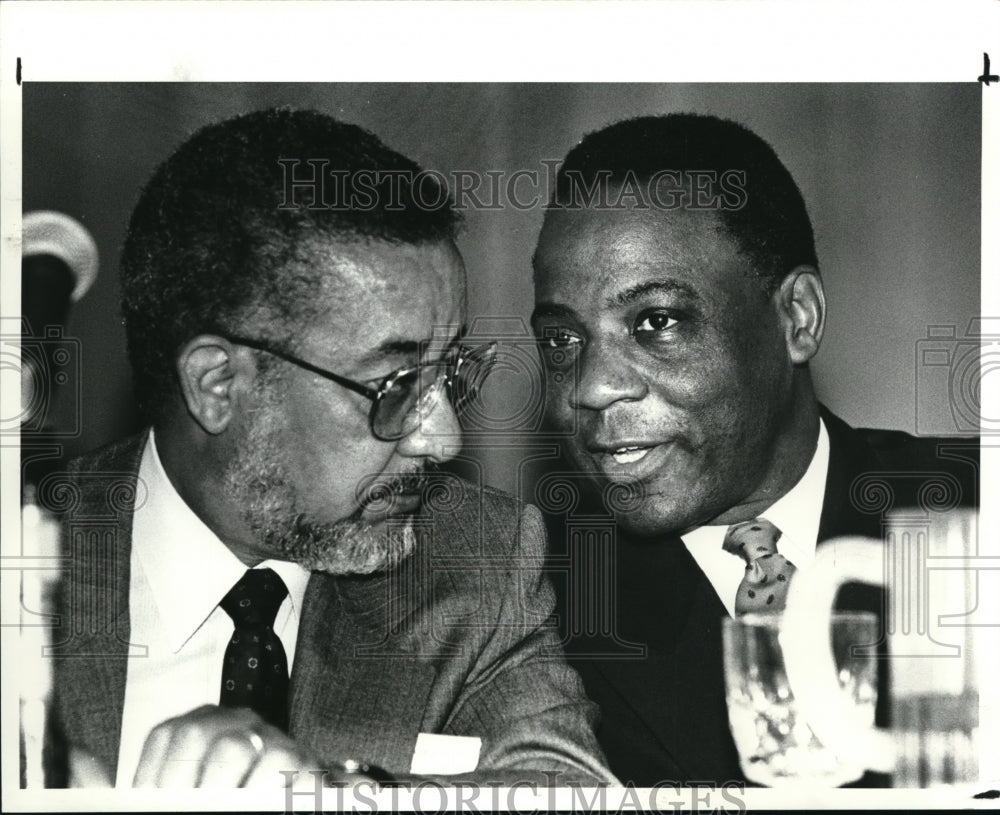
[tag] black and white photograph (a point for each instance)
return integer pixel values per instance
(526, 441)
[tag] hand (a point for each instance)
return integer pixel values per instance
(220, 747)
(85, 771)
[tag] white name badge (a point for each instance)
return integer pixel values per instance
(440, 754)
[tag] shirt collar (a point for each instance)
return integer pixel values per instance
(187, 567)
(797, 514)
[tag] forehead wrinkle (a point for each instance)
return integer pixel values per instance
(600, 243)
(335, 262)
(413, 280)
(693, 246)
(391, 348)
(640, 290)
(680, 239)
(330, 282)
(342, 277)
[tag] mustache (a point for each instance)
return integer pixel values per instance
(414, 481)
(381, 494)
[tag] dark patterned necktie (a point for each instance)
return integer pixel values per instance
(254, 669)
(765, 582)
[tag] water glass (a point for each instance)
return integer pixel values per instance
(777, 747)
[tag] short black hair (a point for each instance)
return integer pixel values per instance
(216, 229)
(768, 219)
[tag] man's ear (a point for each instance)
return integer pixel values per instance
(210, 369)
(801, 305)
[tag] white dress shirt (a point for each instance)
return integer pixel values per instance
(180, 571)
(796, 514)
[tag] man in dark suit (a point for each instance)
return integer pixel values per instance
(678, 304)
(274, 576)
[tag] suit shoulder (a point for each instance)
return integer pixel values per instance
(459, 495)
(118, 456)
(501, 501)
(482, 518)
(948, 466)
(896, 447)
(101, 482)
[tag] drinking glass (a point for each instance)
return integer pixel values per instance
(942, 624)
(777, 747)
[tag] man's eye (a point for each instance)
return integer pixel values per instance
(559, 338)
(559, 347)
(654, 321)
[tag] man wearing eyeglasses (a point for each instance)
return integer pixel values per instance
(281, 580)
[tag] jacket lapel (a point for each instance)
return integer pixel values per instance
(91, 638)
(358, 689)
(850, 457)
(677, 690)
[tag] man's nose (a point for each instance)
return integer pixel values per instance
(603, 378)
(438, 436)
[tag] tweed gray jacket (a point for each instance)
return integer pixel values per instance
(457, 640)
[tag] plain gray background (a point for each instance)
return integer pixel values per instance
(891, 174)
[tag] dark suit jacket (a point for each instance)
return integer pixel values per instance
(655, 668)
(458, 640)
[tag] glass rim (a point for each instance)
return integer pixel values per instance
(773, 619)
(388, 421)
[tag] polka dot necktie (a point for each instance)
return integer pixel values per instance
(254, 669)
(765, 581)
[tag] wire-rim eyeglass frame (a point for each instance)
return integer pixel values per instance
(462, 388)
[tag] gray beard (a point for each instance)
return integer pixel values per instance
(256, 480)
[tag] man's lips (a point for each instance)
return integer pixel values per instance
(630, 457)
(398, 503)
(405, 502)
(400, 494)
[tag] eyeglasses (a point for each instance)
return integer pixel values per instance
(407, 396)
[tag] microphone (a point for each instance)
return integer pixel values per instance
(59, 264)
